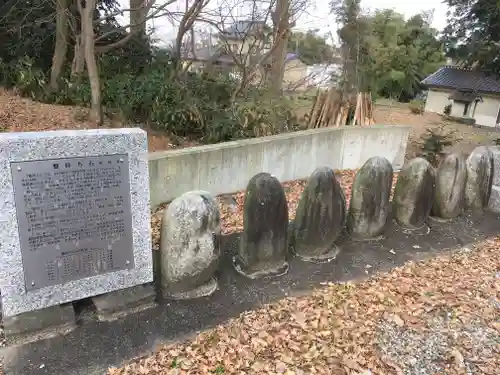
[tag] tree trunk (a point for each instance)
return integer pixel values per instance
(78, 65)
(92, 70)
(281, 23)
(61, 44)
(138, 17)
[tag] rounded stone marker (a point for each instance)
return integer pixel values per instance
(450, 187)
(263, 244)
(414, 193)
(370, 199)
(320, 217)
(189, 246)
(479, 178)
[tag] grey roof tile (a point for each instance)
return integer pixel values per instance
(453, 77)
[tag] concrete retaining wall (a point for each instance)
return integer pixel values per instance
(227, 167)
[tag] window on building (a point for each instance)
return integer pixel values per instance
(466, 109)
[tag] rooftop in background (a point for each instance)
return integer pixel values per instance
(241, 29)
(218, 54)
(456, 78)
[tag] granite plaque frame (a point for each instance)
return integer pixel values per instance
(18, 296)
(74, 218)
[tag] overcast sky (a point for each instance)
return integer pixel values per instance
(317, 15)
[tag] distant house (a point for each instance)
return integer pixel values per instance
(470, 93)
(248, 37)
(244, 39)
(323, 75)
(295, 75)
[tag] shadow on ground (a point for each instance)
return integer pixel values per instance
(95, 346)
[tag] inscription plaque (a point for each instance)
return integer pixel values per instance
(74, 218)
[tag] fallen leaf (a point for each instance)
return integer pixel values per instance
(400, 322)
(457, 358)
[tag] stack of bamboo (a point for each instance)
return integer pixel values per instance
(332, 109)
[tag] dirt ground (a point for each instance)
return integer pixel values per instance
(466, 137)
(21, 114)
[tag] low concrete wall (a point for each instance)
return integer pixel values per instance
(227, 167)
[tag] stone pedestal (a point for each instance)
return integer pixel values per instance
(370, 206)
(39, 324)
(263, 245)
(320, 217)
(111, 306)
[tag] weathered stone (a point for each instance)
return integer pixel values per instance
(189, 247)
(263, 244)
(320, 217)
(414, 193)
(494, 201)
(479, 178)
(450, 187)
(370, 199)
(114, 305)
(39, 324)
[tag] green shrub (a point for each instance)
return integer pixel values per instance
(416, 106)
(24, 76)
(264, 116)
(433, 143)
(447, 109)
(187, 105)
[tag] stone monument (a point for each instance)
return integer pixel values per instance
(494, 201)
(190, 250)
(263, 244)
(479, 179)
(74, 220)
(320, 217)
(414, 193)
(450, 187)
(370, 199)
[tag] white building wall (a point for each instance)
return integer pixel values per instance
(457, 109)
(487, 111)
(437, 100)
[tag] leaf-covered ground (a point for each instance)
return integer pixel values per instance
(439, 316)
(22, 114)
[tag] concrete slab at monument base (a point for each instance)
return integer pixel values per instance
(264, 270)
(439, 219)
(114, 305)
(417, 231)
(367, 239)
(39, 324)
(321, 258)
(204, 290)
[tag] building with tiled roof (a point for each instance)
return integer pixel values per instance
(471, 93)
